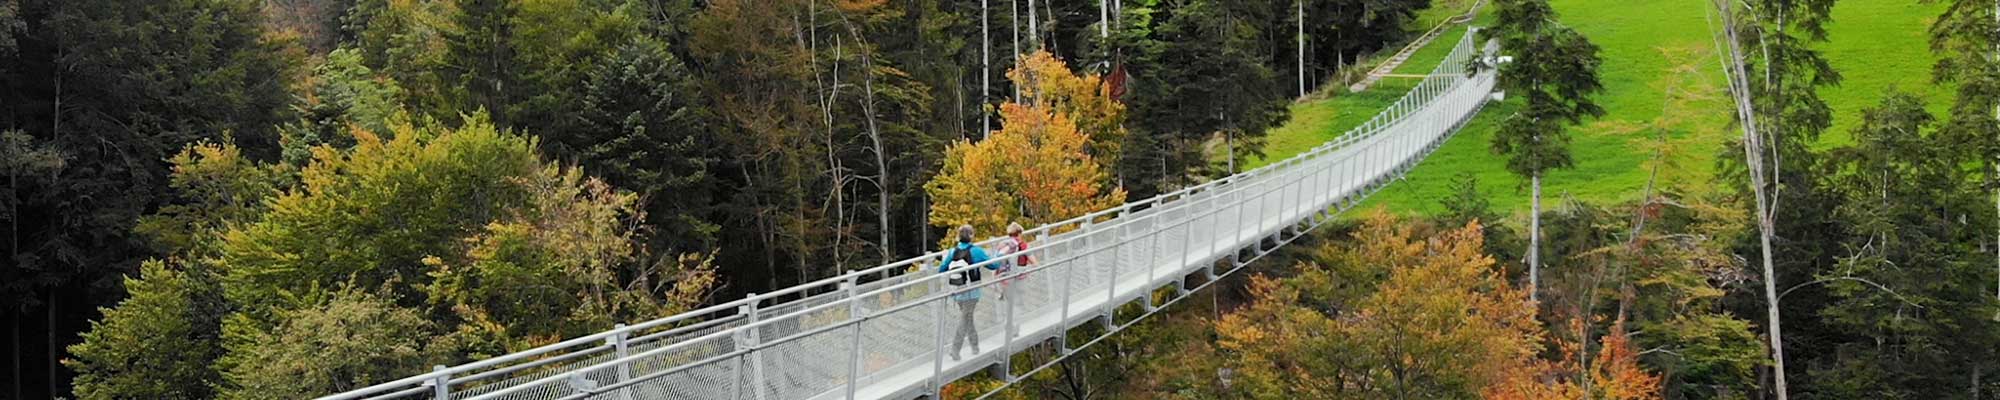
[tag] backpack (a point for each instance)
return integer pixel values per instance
(1021, 252)
(961, 259)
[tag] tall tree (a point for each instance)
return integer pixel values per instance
(492, 248)
(481, 56)
(1908, 292)
(1775, 85)
(1033, 171)
(1399, 312)
(118, 86)
(1197, 77)
(1968, 36)
(159, 343)
(757, 70)
(643, 126)
(1555, 72)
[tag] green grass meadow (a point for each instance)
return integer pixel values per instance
(1662, 80)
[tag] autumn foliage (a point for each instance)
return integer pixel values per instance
(1442, 322)
(1039, 168)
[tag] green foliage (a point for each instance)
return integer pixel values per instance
(371, 214)
(406, 41)
(1717, 356)
(552, 45)
(344, 95)
(1197, 82)
(10, 21)
(1555, 71)
(344, 341)
(115, 87)
(1468, 204)
(643, 128)
(162, 341)
(1910, 290)
(1963, 35)
(124, 78)
(214, 185)
(158, 343)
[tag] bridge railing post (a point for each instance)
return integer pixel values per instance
(1117, 254)
(1011, 328)
(752, 338)
(1068, 278)
(854, 346)
(620, 344)
(937, 341)
(440, 386)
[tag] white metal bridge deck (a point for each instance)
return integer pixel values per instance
(879, 333)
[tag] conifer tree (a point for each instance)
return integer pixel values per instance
(1555, 72)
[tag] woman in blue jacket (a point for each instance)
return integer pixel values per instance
(968, 301)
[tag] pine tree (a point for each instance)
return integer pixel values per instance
(1555, 72)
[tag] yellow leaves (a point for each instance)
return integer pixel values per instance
(855, 6)
(1443, 323)
(1035, 170)
(1046, 82)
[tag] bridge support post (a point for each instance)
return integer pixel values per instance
(854, 312)
(440, 386)
(937, 343)
(754, 339)
(619, 344)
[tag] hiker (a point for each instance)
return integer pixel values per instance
(1014, 249)
(957, 262)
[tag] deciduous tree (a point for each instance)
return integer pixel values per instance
(1034, 170)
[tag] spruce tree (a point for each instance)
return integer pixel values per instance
(1554, 72)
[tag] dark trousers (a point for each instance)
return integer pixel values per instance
(966, 329)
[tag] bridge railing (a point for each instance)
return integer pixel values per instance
(830, 338)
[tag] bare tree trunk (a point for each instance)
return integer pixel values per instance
(986, 71)
(1535, 239)
(1015, 19)
(1753, 155)
(875, 137)
(1034, 27)
(1302, 49)
(1103, 19)
(829, 95)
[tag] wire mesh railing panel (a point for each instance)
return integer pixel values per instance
(899, 335)
(806, 365)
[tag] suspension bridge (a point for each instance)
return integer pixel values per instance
(882, 333)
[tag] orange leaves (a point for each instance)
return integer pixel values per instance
(1614, 374)
(1405, 311)
(1046, 82)
(1039, 167)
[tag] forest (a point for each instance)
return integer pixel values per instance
(281, 199)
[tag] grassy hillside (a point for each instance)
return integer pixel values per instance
(1650, 49)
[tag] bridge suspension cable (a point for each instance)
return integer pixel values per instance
(879, 333)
